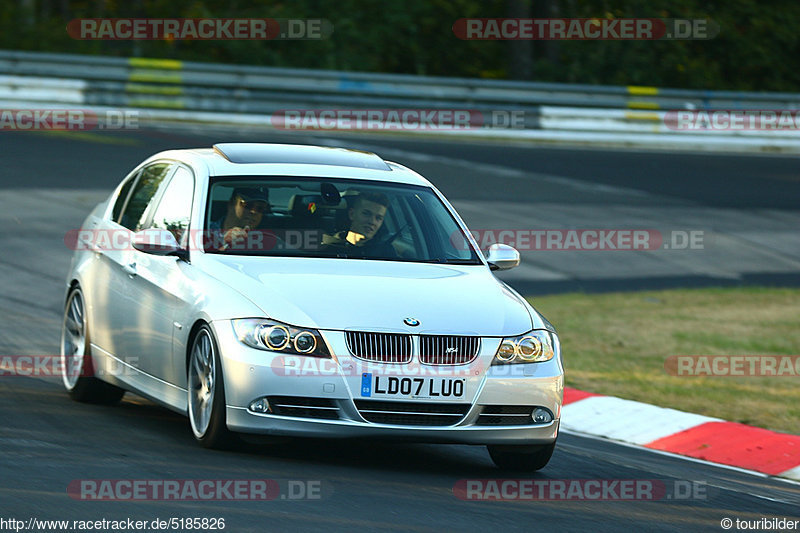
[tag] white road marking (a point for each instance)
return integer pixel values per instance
(626, 420)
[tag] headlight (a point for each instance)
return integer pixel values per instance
(533, 347)
(277, 337)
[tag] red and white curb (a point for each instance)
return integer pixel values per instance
(697, 436)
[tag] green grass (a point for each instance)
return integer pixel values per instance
(616, 344)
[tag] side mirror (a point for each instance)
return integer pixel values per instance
(502, 257)
(156, 242)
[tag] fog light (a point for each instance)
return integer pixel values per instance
(260, 406)
(541, 416)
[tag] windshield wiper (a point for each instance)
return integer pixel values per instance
(461, 261)
(454, 261)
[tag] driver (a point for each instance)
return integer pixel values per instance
(366, 218)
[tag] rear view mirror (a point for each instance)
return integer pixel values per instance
(330, 194)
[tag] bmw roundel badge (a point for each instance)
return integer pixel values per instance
(411, 322)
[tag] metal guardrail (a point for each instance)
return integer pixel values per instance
(189, 92)
(170, 84)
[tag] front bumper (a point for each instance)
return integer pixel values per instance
(250, 374)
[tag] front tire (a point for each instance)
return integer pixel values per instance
(206, 393)
(528, 458)
(76, 357)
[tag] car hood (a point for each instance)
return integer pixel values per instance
(342, 294)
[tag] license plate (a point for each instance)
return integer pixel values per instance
(373, 386)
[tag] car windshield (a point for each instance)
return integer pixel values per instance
(334, 218)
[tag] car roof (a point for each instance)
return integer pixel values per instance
(249, 159)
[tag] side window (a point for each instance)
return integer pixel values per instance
(123, 195)
(175, 207)
(145, 189)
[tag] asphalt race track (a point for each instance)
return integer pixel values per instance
(746, 207)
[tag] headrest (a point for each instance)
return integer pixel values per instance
(305, 205)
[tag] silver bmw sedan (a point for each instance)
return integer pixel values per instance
(306, 291)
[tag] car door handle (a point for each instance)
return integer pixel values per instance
(130, 268)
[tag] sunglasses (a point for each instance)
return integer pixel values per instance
(254, 205)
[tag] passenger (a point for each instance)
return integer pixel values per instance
(366, 218)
